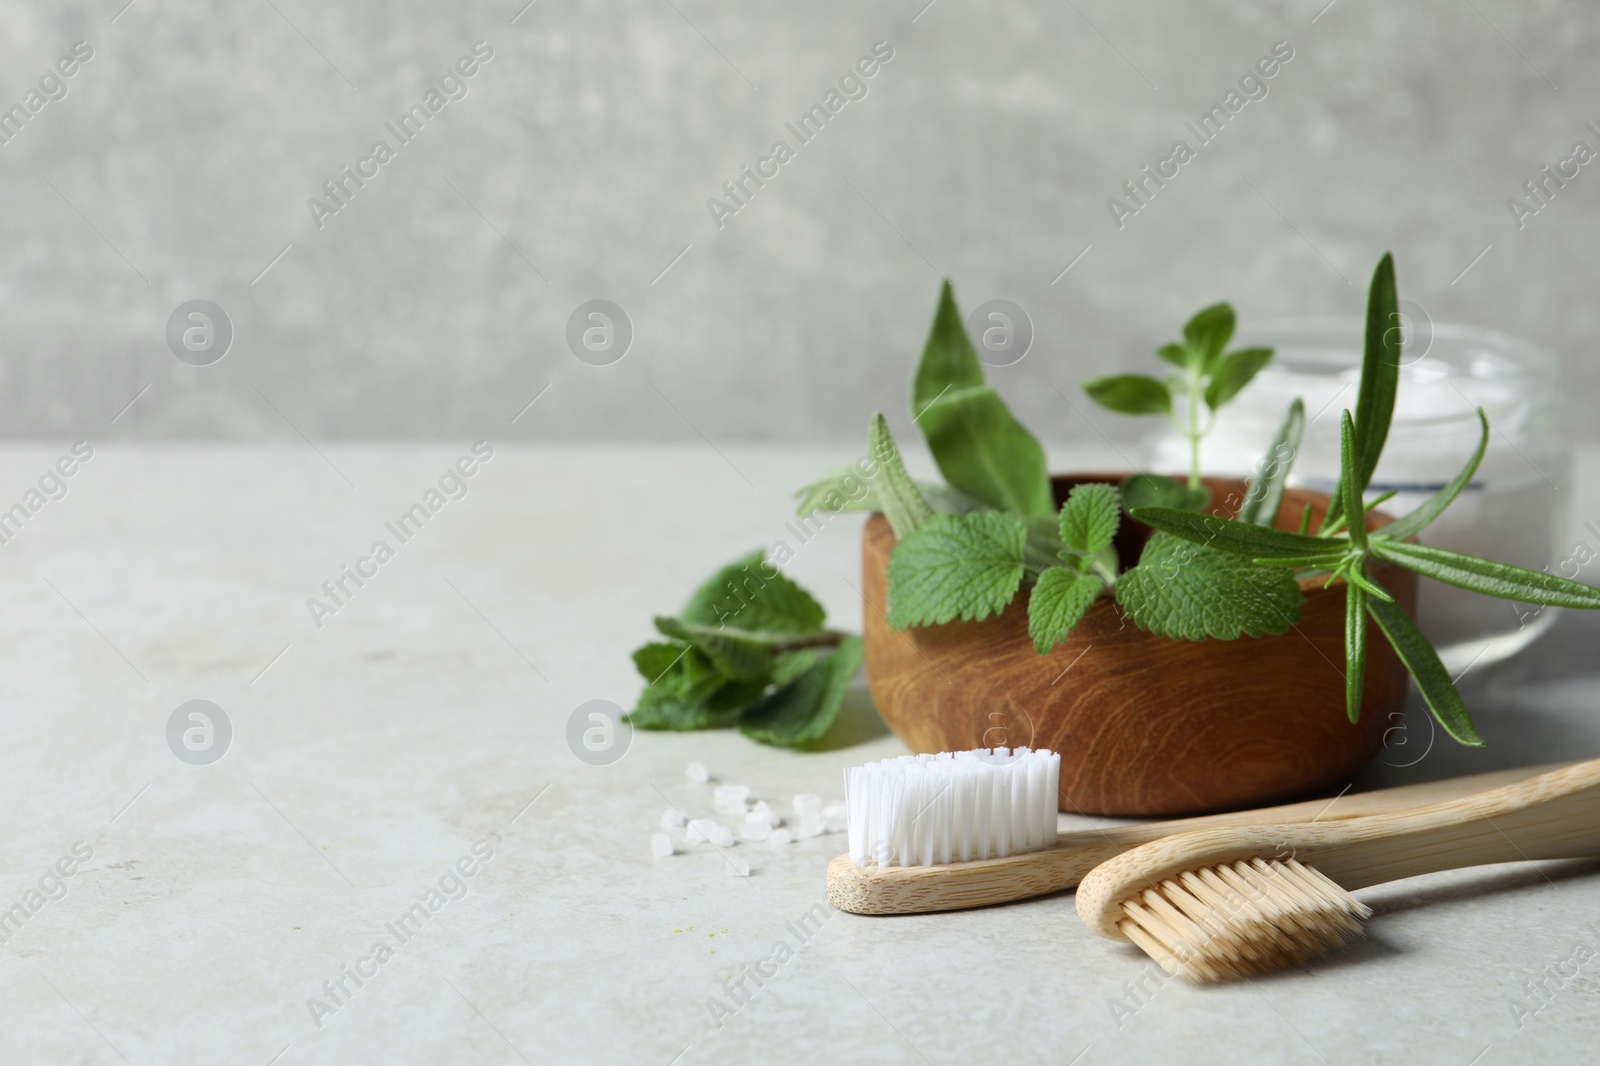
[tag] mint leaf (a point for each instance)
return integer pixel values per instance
(799, 713)
(1190, 592)
(1265, 496)
(1090, 517)
(1209, 331)
(979, 446)
(903, 505)
(791, 664)
(1153, 490)
(1176, 354)
(1059, 602)
(751, 594)
(692, 694)
(737, 653)
(956, 566)
(1130, 394)
(1233, 372)
(655, 659)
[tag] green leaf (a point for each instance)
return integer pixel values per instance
(839, 491)
(1153, 490)
(751, 594)
(1434, 506)
(737, 653)
(1350, 492)
(956, 566)
(1189, 592)
(1209, 331)
(979, 446)
(1239, 538)
(1433, 680)
(1355, 648)
(1090, 517)
(1059, 602)
(1490, 578)
(692, 694)
(655, 659)
(1380, 369)
(791, 664)
(1261, 503)
(799, 712)
(903, 505)
(1178, 355)
(1233, 372)
(1130, 394)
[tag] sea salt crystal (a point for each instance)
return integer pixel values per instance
(738, 868)
(807, 801)
(780, 836)
(660, 845)
(731, 798)
(755, 831)
(703, 829)
(763, 813)
(697, 772)
(811, 825)
(672, 818)
(722, 837)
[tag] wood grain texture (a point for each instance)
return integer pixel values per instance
(1145, 725)
(982, 883)
(1551, 816)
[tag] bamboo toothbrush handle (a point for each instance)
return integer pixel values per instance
(1552, 816)
(982, 883)
(1555, 815)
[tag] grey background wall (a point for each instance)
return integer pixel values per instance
(578, 165)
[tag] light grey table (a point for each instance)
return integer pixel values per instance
(429, 712)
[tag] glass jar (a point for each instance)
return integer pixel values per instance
(1511, 512)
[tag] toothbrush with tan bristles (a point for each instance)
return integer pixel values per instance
(904, 884)
(1221, 903)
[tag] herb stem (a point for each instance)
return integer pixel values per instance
(1193, 430)
(828, 638)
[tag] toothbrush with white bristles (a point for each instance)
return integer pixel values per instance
(975, 828)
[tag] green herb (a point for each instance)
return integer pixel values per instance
(965, 567)
(1207, 375)
(750, 647)
(1063, 595)
(1265, 496)
(979, 446)
(903, 505)
(1189, 592)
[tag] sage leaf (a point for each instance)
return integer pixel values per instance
(1488, 577)
(1189, 592)
(1265, 496)
(1059, 601)
(977, 443)
(1130, 394)
(903, 505)
(798, 714)
(1432, 679)
(964, 567)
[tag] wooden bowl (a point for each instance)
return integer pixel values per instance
(1145, 725)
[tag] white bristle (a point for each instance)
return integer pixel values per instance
(927, 810)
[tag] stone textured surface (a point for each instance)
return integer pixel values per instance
(432, 708)
(179, 164)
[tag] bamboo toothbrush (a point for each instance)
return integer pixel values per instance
(869, 881)
(1220, 903)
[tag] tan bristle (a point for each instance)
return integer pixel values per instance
(1241, 919)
